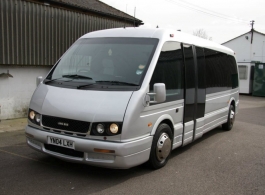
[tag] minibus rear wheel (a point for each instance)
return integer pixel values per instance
(161, 147)
(230, 120)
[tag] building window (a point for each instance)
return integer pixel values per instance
(243, 70)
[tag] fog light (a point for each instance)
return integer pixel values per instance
(100, 128)
(114, 128)
(37, 118)
(31, 115)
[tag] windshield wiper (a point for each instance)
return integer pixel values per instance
(76, 76)
(86, 85)
(73, 76)
(52, 80)
(118, 82)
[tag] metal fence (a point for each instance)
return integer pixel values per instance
(36, 34)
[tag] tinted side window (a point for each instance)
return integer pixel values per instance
(201, 92)
(190, 78)
(169, 70)
(221, 71)
(233, 71)
(190, 72)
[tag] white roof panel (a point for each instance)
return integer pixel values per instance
(161, 34)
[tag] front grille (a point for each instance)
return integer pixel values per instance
(65, 124)
(65, 151)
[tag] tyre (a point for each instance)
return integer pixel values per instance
(230, 120)
(161, 147)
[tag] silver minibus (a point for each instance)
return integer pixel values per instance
(122, 97)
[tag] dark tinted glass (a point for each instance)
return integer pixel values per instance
(201, 92)
(221, 71)
(233, 71)
(169, 71)
(190, 77)
(189, 67)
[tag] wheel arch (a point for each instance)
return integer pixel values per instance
(167, 119)
(232, 102)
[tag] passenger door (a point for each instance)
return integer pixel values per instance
(189, 94)
(194, 93)
(200, 94)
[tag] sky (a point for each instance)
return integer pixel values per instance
(222, 20)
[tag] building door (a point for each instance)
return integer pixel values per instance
(259, 80)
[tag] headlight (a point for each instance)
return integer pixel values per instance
(114, 128)
(106, 128)
(37, 118)
(34, 117)
(100, 128)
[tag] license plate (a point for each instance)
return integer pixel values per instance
(61, 142)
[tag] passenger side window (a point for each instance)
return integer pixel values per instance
(233, 71)
(221, 71)
(169, 70)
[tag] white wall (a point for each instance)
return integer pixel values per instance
(16, 92)
(247, 52)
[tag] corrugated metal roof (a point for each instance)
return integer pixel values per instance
(96, 6)
(33, 33)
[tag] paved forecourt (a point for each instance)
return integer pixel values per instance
(219, 163)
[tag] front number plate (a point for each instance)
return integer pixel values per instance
(61, 142)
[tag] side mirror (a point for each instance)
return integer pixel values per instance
(159, 94)
(38, 80)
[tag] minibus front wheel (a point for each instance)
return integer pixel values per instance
(161, 147)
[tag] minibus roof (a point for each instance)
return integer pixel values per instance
(161, 34)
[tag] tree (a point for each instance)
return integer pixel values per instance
(201, 33)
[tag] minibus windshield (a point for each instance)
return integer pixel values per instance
(105, 61)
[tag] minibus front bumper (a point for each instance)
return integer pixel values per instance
(125, 155)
